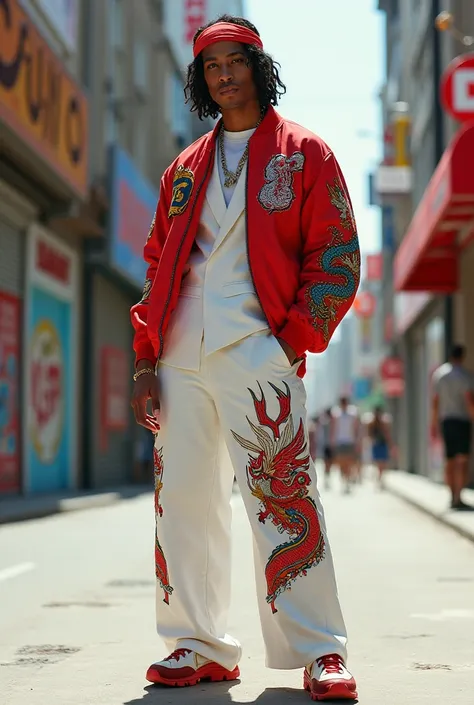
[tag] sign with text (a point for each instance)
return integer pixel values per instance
(182, 19)
(457, 88)
(392, 376)
(374, 267)
(39, 101)
(9, 393)
(133, 205)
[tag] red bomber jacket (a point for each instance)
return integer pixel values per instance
(302, 242)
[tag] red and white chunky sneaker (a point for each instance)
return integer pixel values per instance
(184, 667)
(328, 679)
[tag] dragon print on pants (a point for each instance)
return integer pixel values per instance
(341, 260)
(277, 475)
(161, 568)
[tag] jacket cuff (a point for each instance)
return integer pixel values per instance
(145, 351)
(295, 333)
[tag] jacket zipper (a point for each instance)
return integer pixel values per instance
(178, 251)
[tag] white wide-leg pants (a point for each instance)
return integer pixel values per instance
(251, 395)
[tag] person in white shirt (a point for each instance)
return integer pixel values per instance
(345, 439)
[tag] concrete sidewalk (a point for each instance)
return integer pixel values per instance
(14, 509)
(433, 499)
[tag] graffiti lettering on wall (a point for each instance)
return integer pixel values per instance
(39, 100)
(9, 375)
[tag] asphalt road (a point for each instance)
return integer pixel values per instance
(77, 609)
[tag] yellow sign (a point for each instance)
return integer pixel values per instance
(402, 136)
(39, 101)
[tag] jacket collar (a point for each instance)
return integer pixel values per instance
(270, 123)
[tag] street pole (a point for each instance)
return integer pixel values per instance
(448, 303)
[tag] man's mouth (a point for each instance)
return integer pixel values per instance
(228, 90)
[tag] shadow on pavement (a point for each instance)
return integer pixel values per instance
(219, 693)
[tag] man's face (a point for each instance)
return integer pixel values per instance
(228, 77)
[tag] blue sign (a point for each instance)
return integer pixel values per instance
(49, 433)
(133, 205)
(361, 388)
(388, 228)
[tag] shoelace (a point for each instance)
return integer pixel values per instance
(177, 654)
(331, 664)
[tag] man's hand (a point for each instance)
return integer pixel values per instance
(435, 434)
(146, 387)
(288, 350)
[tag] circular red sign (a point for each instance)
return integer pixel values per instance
(365, 304)
(457, 88)
(391, 369)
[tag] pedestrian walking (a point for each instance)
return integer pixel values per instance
(253, 261)
(452, 413)
(345, 439)
(325, 444)
(380, 435)
(313, 436)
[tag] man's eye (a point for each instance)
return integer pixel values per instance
(237, 61)
(211, 66)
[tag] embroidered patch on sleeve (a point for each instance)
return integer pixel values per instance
(183, 184)
(146, 290)
(278, 194)
(150, 232)
(340, 261)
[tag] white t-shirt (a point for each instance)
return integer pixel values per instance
(345, 432)
(234, 146)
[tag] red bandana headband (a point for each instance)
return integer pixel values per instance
(225, 32)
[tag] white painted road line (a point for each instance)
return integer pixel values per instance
(16, 570)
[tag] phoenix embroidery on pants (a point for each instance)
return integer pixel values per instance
(277, 475)
(161, 567)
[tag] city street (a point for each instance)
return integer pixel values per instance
(77, 608)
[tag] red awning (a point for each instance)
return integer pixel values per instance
(443, 224)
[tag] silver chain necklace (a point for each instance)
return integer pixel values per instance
(230, 177)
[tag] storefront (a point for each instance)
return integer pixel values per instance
(51, 372)
(113, 439)
(44, 167)
(16, 214)
(434, 259)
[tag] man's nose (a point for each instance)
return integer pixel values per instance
(225, 76)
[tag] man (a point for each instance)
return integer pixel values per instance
(379, 431)
(325, 444)
(453, 410)
(254, 260)
(345, 439)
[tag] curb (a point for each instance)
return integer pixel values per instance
(440, 518)
(40, 508)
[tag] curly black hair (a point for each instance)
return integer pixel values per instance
(264, 70)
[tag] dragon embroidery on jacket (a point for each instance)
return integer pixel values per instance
(161, 568)
(341, 259)
(277, 475)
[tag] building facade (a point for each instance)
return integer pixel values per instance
(429, 259)
(91, 113)
(44, 148)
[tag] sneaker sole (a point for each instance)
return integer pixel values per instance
(335, 691)
(213, 674)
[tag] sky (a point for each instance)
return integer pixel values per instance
(331, 56)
